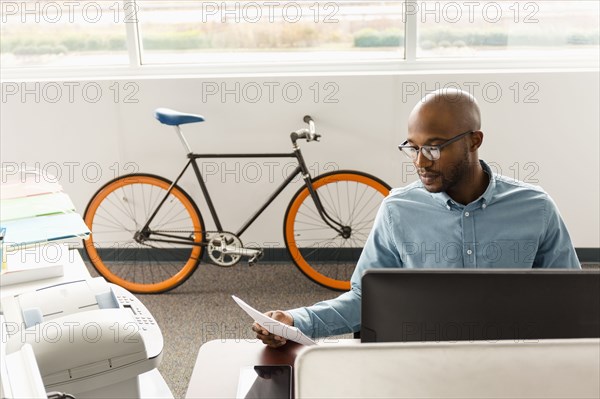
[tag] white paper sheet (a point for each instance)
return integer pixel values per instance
(273, 326)
(41, 229)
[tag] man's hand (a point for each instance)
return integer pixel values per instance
(273, 341)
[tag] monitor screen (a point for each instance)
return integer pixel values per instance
(409, 305)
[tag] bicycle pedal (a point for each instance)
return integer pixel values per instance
(254, 259)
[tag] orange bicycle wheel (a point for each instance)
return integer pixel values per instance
(320, 252)
(139, 262)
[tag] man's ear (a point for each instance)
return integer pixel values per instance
(476, 140)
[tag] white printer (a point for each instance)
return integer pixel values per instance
(19, 373)
(90, 338)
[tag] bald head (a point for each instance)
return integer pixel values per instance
(446, 111)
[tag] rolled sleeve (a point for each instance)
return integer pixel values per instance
(302, 320)
(333, 317)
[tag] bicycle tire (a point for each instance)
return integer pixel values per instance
(331, 261)
(119, 209)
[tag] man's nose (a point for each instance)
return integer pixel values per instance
(422, 161)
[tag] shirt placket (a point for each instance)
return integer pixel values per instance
(469, 241)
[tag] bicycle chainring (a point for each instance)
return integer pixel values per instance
(220, 247)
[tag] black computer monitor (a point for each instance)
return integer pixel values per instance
(401, 305)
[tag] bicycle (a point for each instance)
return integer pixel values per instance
(156, 232)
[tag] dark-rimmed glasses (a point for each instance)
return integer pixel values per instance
(431, 152)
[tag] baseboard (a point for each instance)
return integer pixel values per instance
(280, 255)
(591, 255)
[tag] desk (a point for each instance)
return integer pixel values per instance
(478, 369)
(217, 367)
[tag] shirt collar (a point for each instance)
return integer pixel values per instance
(485, 198)
(488, 194)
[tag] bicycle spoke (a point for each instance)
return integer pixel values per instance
(354, 199)
(146, 214)
(331, 207)
(110, 231)
(132, 207)
(127, 204)
(371, 214)
(314, 212)
(312, 229)
(365, 188)
(118, 224)
(366, 204)
(174, 222)
(319, 220)
(169, 218)
(159, 197)
(119, 208)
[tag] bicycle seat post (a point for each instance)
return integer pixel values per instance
(183, 140)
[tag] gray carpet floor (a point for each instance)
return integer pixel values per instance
(202, 310)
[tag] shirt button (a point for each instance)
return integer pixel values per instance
(469, 252)
(467, 214)
(448, 206)
(484, 206)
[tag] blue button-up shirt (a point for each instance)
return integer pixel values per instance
(512, 225)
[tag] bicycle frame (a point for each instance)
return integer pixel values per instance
(301, 169)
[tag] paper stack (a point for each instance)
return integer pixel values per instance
(35, 215)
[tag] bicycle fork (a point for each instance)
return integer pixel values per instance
(344, 231)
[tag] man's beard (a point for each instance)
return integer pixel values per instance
(455, 174)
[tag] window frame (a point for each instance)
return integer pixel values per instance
(409, 64)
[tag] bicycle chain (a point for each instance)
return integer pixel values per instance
(191, 231)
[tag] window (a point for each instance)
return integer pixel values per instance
(207, 32)
(507, 29)
(62, 33)
(145, 34)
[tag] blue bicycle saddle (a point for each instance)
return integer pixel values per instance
(175, 118)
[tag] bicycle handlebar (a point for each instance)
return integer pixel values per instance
(309, 134)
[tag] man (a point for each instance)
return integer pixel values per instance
(459, 215)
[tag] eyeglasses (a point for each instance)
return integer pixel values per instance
(431, 152)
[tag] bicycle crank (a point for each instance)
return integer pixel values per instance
(226, 249)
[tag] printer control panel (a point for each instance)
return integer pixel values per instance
(143, 318)
(140, 313)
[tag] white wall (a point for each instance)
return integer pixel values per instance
(553, 140)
